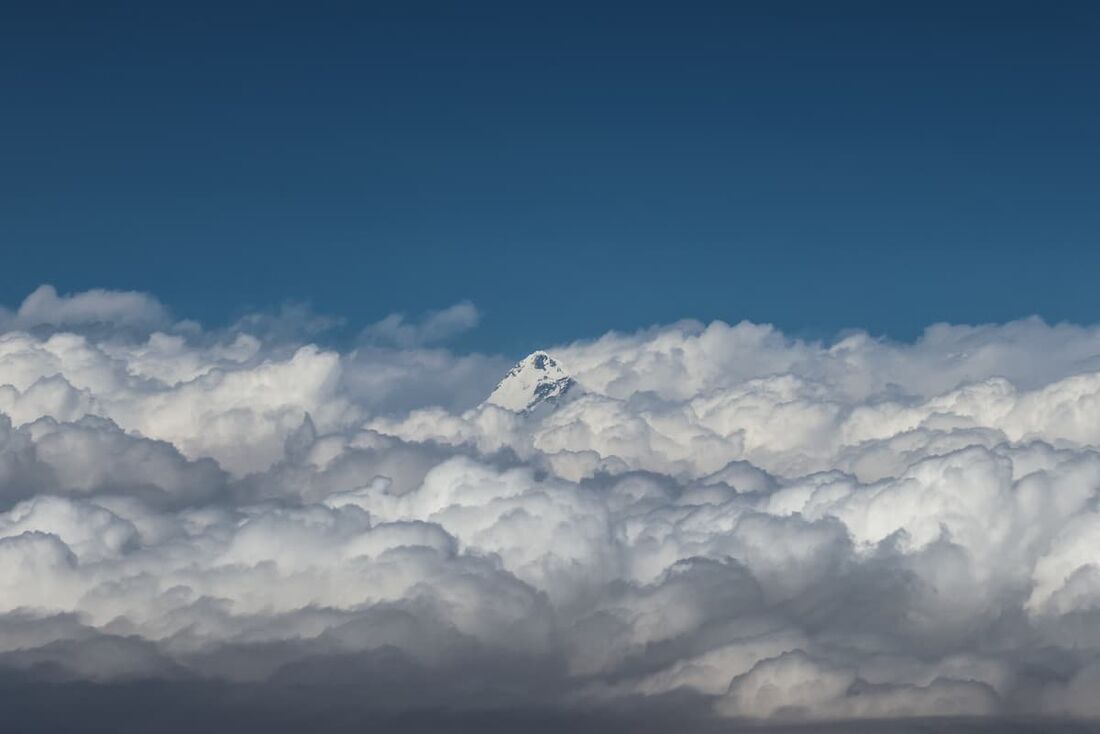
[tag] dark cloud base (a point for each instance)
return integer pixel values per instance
(167, 708)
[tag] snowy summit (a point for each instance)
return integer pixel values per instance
(536, 379)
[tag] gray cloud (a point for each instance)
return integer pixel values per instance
(434, 326)
(104, 308)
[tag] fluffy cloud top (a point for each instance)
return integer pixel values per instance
(719, 518)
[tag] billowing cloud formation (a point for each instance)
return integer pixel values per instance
(718, 521)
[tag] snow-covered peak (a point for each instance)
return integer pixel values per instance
(536, 379)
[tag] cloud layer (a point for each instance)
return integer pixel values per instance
(723, 522)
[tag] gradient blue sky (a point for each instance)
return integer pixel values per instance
(568, 167)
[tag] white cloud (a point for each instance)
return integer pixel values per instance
(776, 528)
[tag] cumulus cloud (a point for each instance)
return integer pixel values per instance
(719, 526)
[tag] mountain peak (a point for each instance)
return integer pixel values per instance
(534, 380)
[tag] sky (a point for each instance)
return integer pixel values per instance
(569, 169)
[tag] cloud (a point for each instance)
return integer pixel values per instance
(433, 327)
(722, 526)
(118, 309)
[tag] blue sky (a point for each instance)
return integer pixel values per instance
(568, 168)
